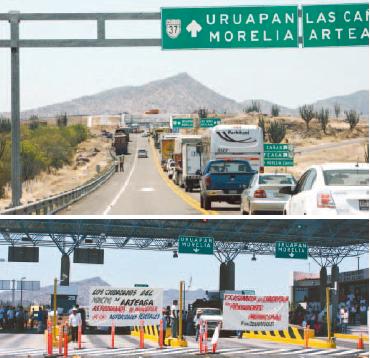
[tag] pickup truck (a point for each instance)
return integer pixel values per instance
(224, 180)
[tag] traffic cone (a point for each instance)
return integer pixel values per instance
(360, 343)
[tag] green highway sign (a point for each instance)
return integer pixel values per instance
(278, 155)
(229, 27)
(277, 147)
(335, 25)
(279, 162)
(182, 123)
(195, 245)
(291, 250)
(209, 122)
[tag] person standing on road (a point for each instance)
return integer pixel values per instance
(174, 318)
(121, 163)
(82, 313)
(345, 321)
(197, 323)
(74, 321)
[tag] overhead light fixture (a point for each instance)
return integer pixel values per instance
(254, 258)
(175, 254)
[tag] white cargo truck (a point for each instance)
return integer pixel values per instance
(187, 158)
(237, 142)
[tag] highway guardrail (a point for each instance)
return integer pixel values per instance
(55, 203)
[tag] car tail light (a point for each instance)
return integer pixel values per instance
(262, 169)
(325, 200)
(260, 193)
(208, 181)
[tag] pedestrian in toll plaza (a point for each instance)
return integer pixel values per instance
(345, 321)
(121, 163)
(82, 313)
(174, 316)
(74, 321)
(197, 323)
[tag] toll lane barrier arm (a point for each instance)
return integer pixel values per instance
(351, 336)
(55, 203)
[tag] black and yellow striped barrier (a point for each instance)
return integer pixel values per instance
(292, 335)
(150, 332)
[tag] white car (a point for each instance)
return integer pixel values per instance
(331, 189)
(262, 195)
(212, 316)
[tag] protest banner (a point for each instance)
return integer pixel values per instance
(255, 313)
(125, 306)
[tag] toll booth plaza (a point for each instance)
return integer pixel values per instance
(324, 312)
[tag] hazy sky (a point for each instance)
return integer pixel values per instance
(124, 268)
(286, 76)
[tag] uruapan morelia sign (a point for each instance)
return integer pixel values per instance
(195, 245)
(229, 27)
(291, 250)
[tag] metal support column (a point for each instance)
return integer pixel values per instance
(227, 276)
(323, 284)
(16, 180)
(64, 270)
(334, 294)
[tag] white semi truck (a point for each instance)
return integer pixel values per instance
(187, 158)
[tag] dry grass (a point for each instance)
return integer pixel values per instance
(67, 178)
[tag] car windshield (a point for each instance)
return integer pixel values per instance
(346, 177)
(211, 312)
(276, 180)
(231, 167)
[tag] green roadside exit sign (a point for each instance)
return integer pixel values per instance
(195, 245)
(182, 123)
(209, 122)
(335, 25)
(291, 250)
(278, 155)
(229, 27)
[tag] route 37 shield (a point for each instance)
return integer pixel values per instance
(173, 28)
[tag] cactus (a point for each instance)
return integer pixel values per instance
(307, 113)
(276, 132)
(262, 125)
(323, 117)
(352, 118)
(275, 110)
(337, 110)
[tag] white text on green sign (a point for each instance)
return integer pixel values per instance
(209, 122)
(279, 162)
(195, 245)
(276, 147)
(182, 123)
(229, 27)
(335, 25)
(291, 250)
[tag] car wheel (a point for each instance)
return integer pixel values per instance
(207, 203)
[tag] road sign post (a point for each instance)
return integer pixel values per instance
(229, 27)
(278, 155)
(335, 25)
(195, 245)
(291, 250)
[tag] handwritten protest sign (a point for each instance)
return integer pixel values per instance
(125, 306)
(255, 313)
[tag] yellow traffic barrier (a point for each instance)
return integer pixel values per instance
(150, 332)
(293, 335)
(351, 336)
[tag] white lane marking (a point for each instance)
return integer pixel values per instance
(273, 351)
(114, 201)
(245, 350)
(147, 189)
(350, 351)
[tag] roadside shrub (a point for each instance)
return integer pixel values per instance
(5, 125)
(255, 106)
(262, 125)
(307, 113)
(352, 118)
(276, 132)
(34, 122)
(62, 120)
(323, 117)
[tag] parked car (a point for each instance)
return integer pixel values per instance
(142, 153)
(213, 317)
(224, 180)
(330, 189)
(262, 195)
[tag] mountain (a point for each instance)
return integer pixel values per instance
(83, 287)
(358, 101)
(177, 94)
